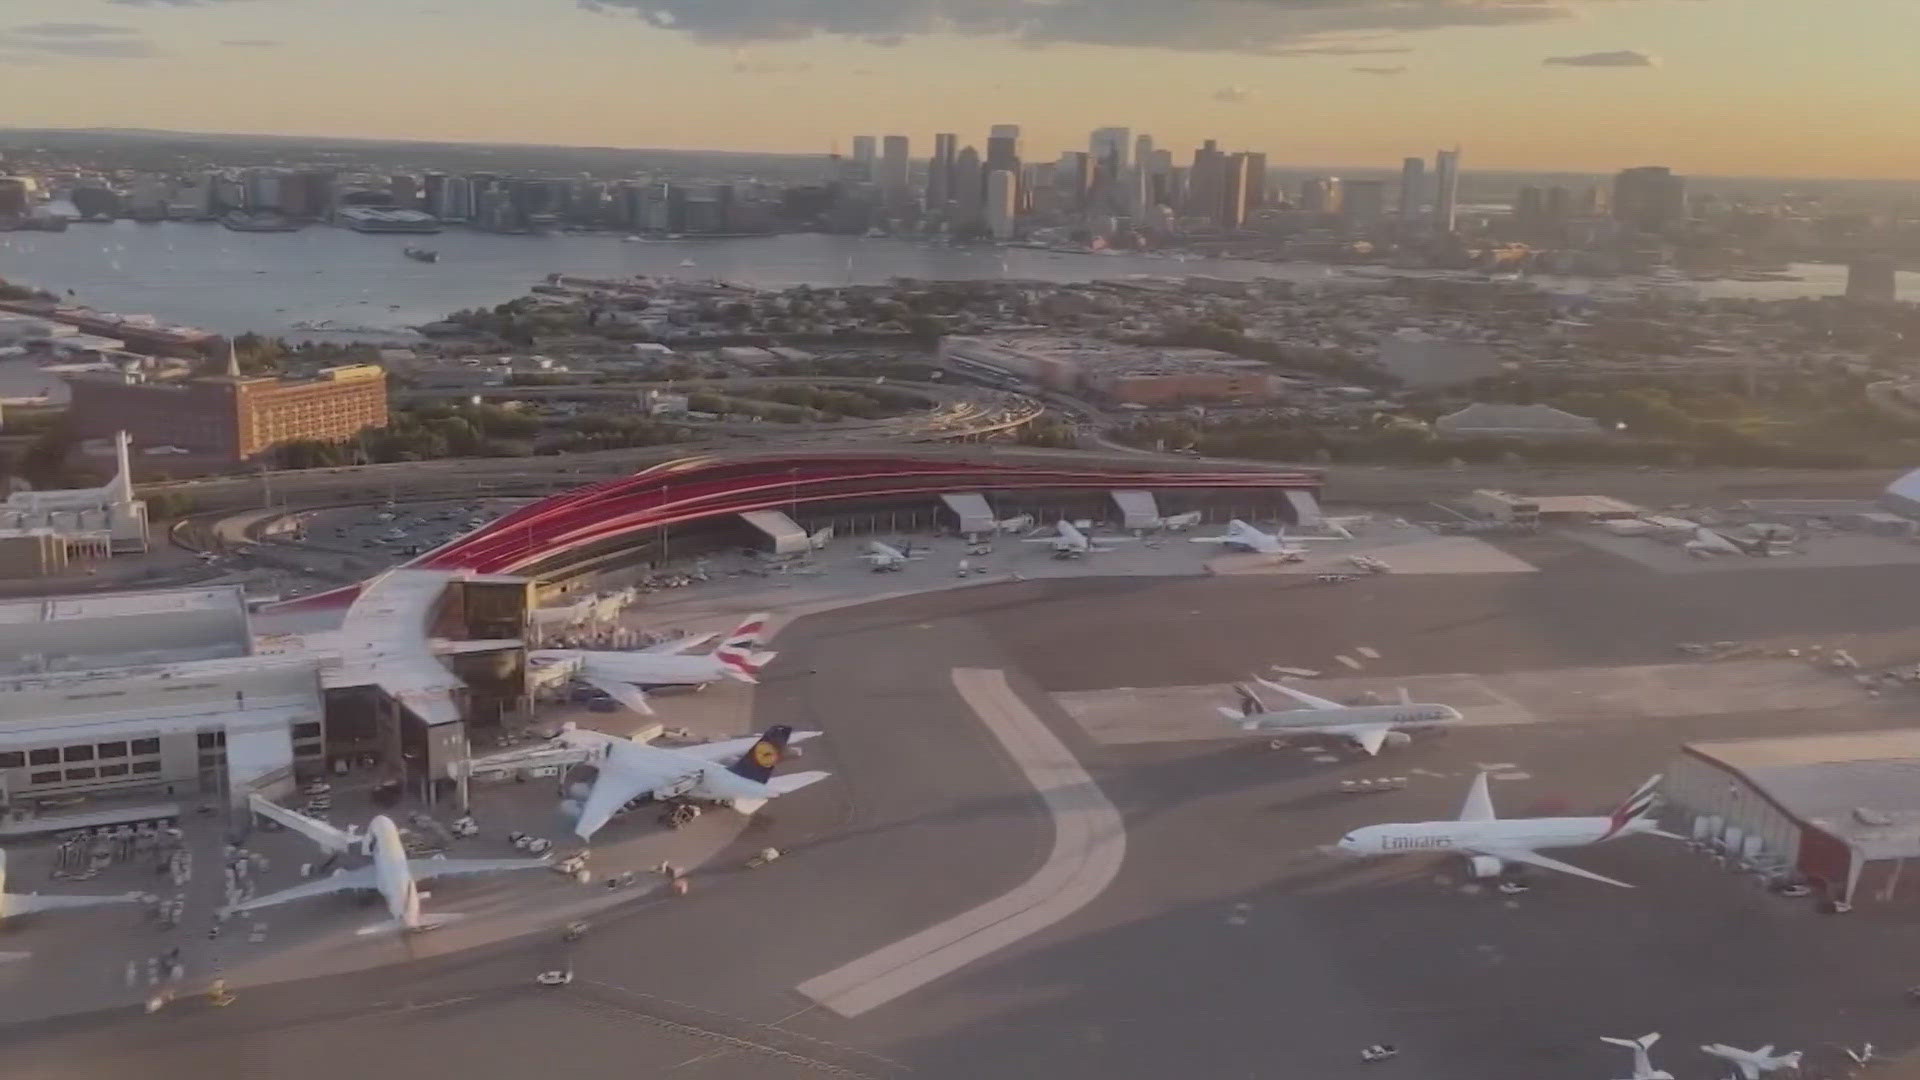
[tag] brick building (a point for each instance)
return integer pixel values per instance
(230, 417)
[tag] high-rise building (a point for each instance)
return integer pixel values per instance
(1204, 180)
(1003, 152)
(433, 192)
(231, 417)
(940, 171)
(896, 169)
(1073, 179)
(1363, 202)
(1165, 188)
(1001, 185)
(1529, 207)
(865, 154)
(1109, 148)
(13, 195)
(405, 188)
(1143, 151)
(1257, 184)
(1413, 188)
(1236, 184)
(1446, 197)
(969, 191)
(456, 200)
(1559, 205)
(1320, 195)
(1650, 198)
(1871, 280)
(263, 188)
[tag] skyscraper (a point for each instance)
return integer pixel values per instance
(1003, 152)
(1109, 147)
(1871, 280)
(1000, 203)
(1256, 180)
(1073, 179)
(864, 153)
(896, 169)
(1363, 202)
(940, 171)
(1321, 195)
(969, 195)
(1650, 198)
(1204, 181)
(1446, 171)
(1236, 182)
(1413, 189)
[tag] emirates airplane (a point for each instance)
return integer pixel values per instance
(1490, 844)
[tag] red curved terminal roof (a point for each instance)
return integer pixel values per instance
(698, 489)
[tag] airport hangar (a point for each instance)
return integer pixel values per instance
(117, 705)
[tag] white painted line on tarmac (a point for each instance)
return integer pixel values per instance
(1349, 661)
(1369, 652)
(1089, 843)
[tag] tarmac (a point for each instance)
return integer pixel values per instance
(1226, 944)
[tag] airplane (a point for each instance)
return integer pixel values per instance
(1752, 1063)
(12, 904)
(1642, 1064)
(1707, 543)
(820, 538)
(1368, 726)
(1245, 537)
(1179, 522)
(739, 771)
(1069, 542)
(394, 876)
(1018, 523)
(620, 674)
(885, 557)
(1490, 843)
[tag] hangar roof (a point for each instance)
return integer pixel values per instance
(1861, 786)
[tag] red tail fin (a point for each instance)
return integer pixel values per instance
(1636, 805)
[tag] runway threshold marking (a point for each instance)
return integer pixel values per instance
(1089, 844)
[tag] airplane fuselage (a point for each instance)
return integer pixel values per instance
(390, 874)
(1467, 837)
(1400, 717)
(640, 668)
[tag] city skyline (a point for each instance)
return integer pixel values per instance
(1550, 85)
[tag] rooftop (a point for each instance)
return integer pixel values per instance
(1863, 787)
(121, 605)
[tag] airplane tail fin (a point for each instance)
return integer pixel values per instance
(1644, 1042)
(1250, 703)
(742, 663)
(1637, 805)
(747, 634)
(1406, 696)
(758, 762)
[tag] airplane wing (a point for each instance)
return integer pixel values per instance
(621, 781)
(728, 751)
(1301, 696)
(1479, 804)
(425, 869)
(339, 881)
(625, 693)
(27, 903)
(787, 783)
(1534, 858)
(678, 645)
(328, 837)
(1370, 738)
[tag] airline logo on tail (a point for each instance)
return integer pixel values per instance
(758, 762)
(1638, 804)
(736, 654)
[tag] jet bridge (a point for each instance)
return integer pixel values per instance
(976, 517)
(1138, 510)
(785, 537)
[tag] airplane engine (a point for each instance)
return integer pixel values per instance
(1484, 866)
(1396, 738)
(579, 792)
(570, 809)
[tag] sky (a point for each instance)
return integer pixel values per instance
(1725, 87)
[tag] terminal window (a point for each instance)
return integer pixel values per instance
(79, 774)
(146, 766)
(12, 759)
(44, 757)
(45, 777)
(146, 746)
(83, 752)
(113, 749)
(113, 770)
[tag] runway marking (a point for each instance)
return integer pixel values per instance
(1089, 844)
(1369, 652)
(1349, 661)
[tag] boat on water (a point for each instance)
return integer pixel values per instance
(688, 262)
(425, 255)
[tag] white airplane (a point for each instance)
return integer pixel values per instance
(394, 876)
(12, 904)
(1070, 543)
(620, 674)
(1180, 522)
(739, 771)
(1642, 1064)
(1244, 537)
(820, 538)
(1368, 726)
(1489, 843)
(885, 557)
(1752, 1063)
(1019, 523)
(1707, 543)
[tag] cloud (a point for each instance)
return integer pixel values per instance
(37, 41)
(753, 65)
(252, 43)
(1233, 95)
(73, 30)
(1261, 27)
(1400, 70)
(1624, 58)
